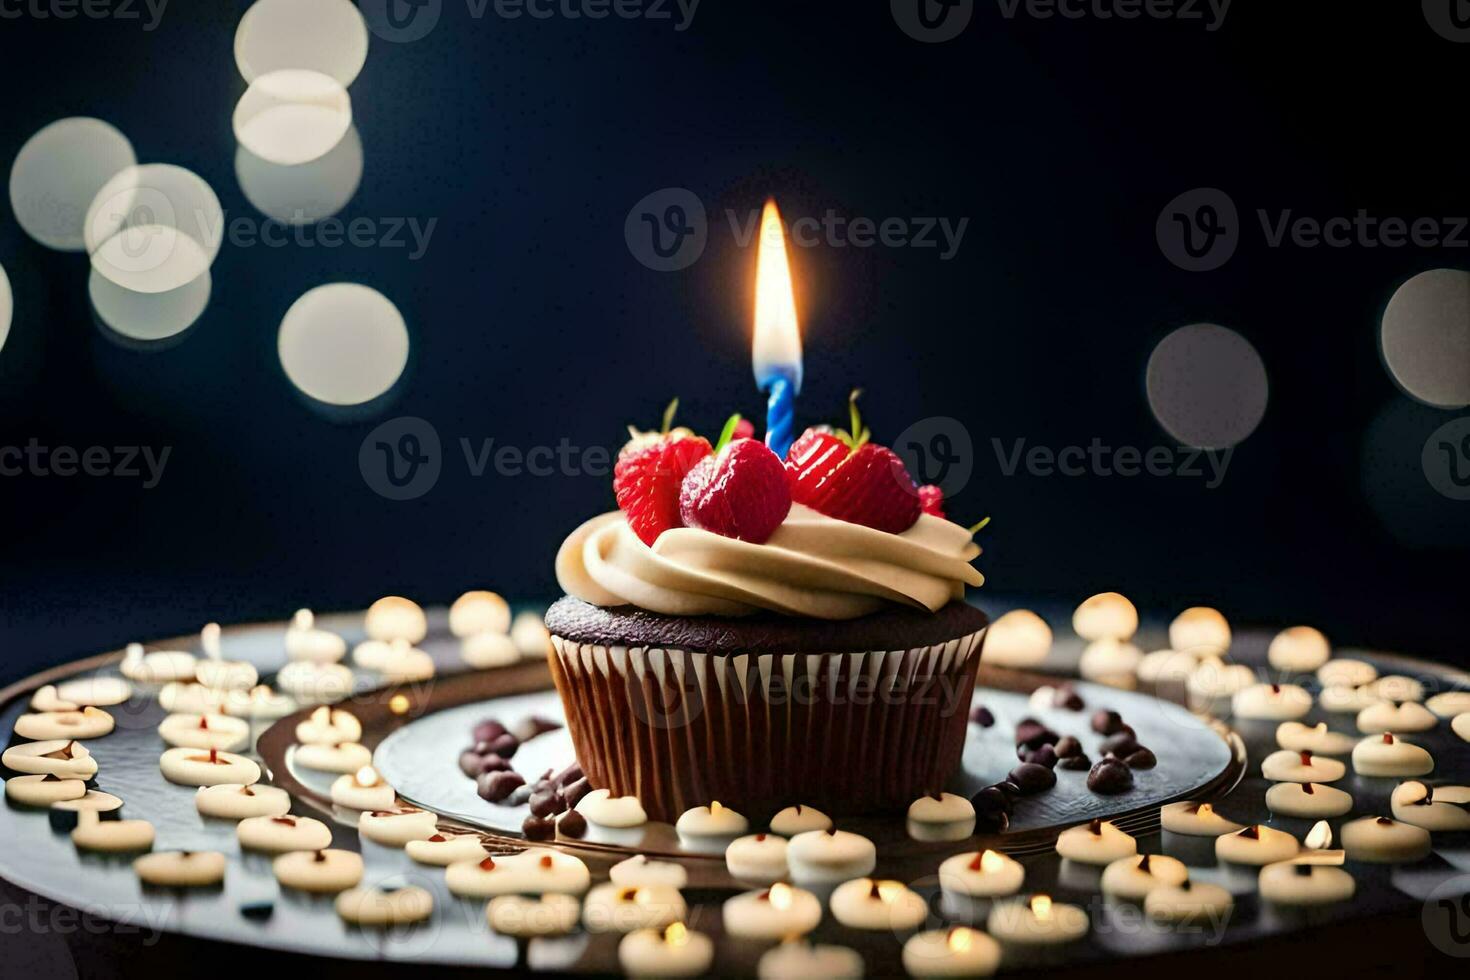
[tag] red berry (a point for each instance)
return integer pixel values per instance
(739, 493)
(647, 478)
(868, 486)
(931, 499)
(744, 430)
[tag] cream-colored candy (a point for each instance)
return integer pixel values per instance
(758, 858)
(830, 856)
(1307, 800)
(98, 692)
(278, 835)
(1020, 638)
(1389, 755)
(205, 731)
(1397, 687)
(639, 870)
(772, 913)
(1344, 700)
(1200, 630)
(1385, 716)
(365, 789)
(1437, 808)
(304, 642)
(375, 907)
(945, 817)
(1380, 840)
(111, 836)
(329, 726)
(181, 869)
(1106, 615)
(1301, 767)
(1191, 819)
(479, 612)
(396, 618)
(1038, 922)
(1098, 842)
(613, 908)
(1132, 878)
(530, 635)
(605, 810)
(158, 667)
(1168, 666)
(260, 703)
(43, 789)
(1111, 661)
(92, 801)
(522, 917)
(406, 665)
(217, 672)
(978, 874)
(865, 903)
(346, 758)
(1271, 702)
(1214, 678)
(441, 850)
(1305, 884)
(1188, 902)
(715, 820)
(535, 871)
(234, 802)
(321, 872)
(1256, 845)
(207, 767)
(1460, 725)
(396, 828)
(674, 951)
(46, 699)
(373, 654)
(315, 683)
(1346, 673)
(958, 951)
(190, 698)
(1299, 649)
(1293, 736)
(1445, 705)
(53, 757)
(486, 650)
(798, 820)
(86, 722)
(800, 959)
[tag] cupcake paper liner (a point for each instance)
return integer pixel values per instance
(850, 733)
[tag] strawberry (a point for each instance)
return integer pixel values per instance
(744, 430)
(931, 499)
(649, 473)
(843, 475)
(740, 492)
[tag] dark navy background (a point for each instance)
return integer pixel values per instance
(530, 140)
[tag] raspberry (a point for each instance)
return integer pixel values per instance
(739, 493)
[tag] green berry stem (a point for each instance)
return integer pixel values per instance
(669, 415)
(975, 529)
(728, 432)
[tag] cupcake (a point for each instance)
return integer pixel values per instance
(765, 632)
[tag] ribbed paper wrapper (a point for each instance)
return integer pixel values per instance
(850, 733)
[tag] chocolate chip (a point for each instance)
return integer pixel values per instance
(572, 824)
(1107, 722)
(992, 823)
(504, 745)
(1141, 758)
(980, 715)
(569, 775)
(990, 802)
(1033, 734)
(1068, 747)
(547, 802)
(1075, 763)
(1033, 778)
(1121, 744)
(1044, 756)
(1110, 776)
(574, 793)
(522, 794)
(538, 828)
(1011, 790)
(494, 787)
(1071, 700)
(488, 730)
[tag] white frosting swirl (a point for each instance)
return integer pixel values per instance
(813, 566)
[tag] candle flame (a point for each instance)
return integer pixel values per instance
(889, 891)
(1319, 838)
(960, 939)
(1041, 907)
(399, 705)
(715, 808)
(1205, 810)
(676, 934)
(991, 861)
(366, 776)
(780, 896)
(777, 349)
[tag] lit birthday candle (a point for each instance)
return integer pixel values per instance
(777, 350)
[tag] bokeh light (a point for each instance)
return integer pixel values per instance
(343, 344)
(329, 36)
(292, 116)
(1207, 386)
(147, 318)
(154, 228)
(58, 172)
(1425, 337)
(7, 306)
(304, 194)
